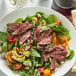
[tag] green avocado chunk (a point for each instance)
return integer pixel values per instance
(17, 57)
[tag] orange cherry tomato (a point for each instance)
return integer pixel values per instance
(62, 40)
(35, 19)
(46, 72)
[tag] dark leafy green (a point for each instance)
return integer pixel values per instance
(19, 20)
(3, 37)
(4, 47)
(28, 19)
(62, 30)
(51, 19)
(34, 53)
(11, 67)
(24, 74)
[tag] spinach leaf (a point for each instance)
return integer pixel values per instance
(3, 37)
(28, 19)
(51, 19)
(19, 20)
(4, 47)
(34, 53)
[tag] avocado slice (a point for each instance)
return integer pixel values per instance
(17, 55)
(26, 53)
(18, 59)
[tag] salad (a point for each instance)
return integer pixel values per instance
(36, 45)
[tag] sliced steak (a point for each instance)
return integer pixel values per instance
(63, 53)
(28, 45)
(44, 41)
(55, 51)
(59, 58)
(24, 27)
(36, 34)
(53, 64)
(24, 37)
(56, 47)
(46, 33)
(14, 26)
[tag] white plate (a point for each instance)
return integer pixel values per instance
(22, 13)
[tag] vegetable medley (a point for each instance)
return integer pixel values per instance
(36, 45)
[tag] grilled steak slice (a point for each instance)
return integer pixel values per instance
(45, 33)
(56, 47)
(55, 51)
(36, 34)
(14, 26)
(44, 41)
(24, 37)
(53, 64)
(24, 27)
(28, 45)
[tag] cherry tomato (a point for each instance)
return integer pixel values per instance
(11, 40)
(17, 66)
(35, 19)
(40, 70)
(46, 72)
(62, 40)
(57, 22)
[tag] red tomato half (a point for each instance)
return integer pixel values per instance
(11, 40)
(17, 66)
(40, 70)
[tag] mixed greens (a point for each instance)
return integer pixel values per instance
(30, 63)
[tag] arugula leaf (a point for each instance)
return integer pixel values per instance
(43, 28)
(35, 73)
(8, 24)
(61, 30)
(51, 19)
(34, 53)
(19, 20)
(11, 67)
(3, 37)
(24, 74)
